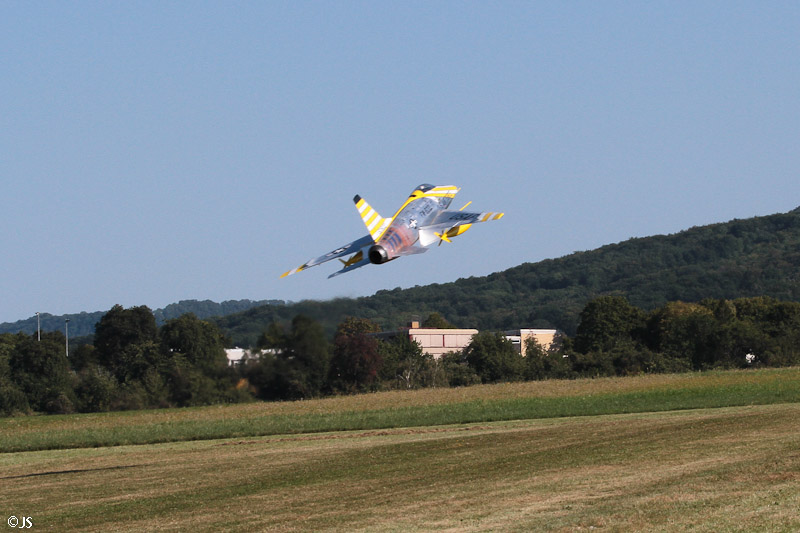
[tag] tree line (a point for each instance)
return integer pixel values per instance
(613, 338)
(135, 364)
(132, 364)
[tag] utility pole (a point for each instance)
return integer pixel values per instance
(66, 327)
(38, 328)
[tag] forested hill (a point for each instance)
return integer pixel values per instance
(81, 324)
(753, 257)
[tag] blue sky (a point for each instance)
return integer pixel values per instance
(158, 151)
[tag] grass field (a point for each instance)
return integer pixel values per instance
(702, 452)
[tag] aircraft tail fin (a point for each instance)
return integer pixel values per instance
(375, 223)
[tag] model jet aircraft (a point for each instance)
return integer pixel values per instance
(422, 220)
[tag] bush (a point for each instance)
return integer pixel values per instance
(540, 364)
(96, 389)
(12, 399)
(58, 403)
(457, 371)
(494, 358)
(593, 364)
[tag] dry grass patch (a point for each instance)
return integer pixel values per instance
(732, 469)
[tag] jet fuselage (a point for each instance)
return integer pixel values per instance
(402, 235)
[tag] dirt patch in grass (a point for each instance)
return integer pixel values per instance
(358, 434)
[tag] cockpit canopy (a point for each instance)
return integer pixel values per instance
(425, 187)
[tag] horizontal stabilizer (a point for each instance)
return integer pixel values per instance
(357, 261)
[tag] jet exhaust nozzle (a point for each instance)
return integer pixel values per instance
(377, 255)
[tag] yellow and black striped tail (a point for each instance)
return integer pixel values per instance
(375, 223)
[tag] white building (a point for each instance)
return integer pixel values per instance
(236, 356)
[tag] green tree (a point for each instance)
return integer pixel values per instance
(12, 399)
(197, 367)
(261, 375)
(457, 370)
(96, 389)
(494, 358)
(437, 321)
(686, 331)
(606, 322)
(41, 371)
(312, 354)
(126, 341)
(355, 326)
(198, 341)
(769, 331)
(302, 358)
(272, 338)
(541, 364)
(356, 359)
(83, 356)
(594, 364)
(185, 385)
(405, 366)
(132, 362)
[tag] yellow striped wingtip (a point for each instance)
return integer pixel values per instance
(293, 271)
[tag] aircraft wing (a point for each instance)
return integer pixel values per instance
(448, 224)
(351, 248)
(451, 219)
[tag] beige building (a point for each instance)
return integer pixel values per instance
(438, 342)
(435, 342)
(547, 338)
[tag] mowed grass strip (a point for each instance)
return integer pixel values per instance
(406, 409)
(729, 469)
